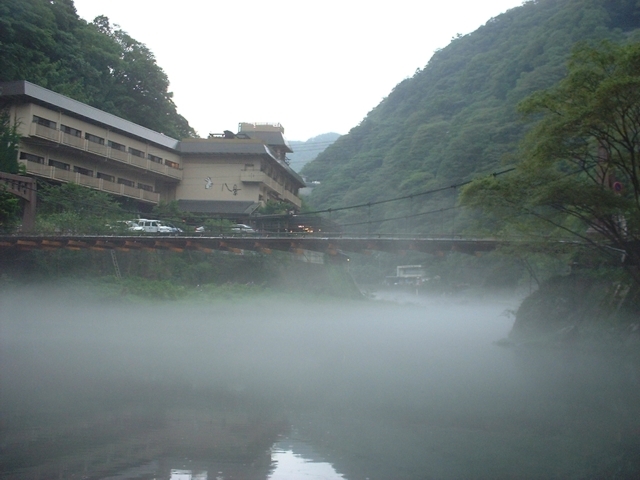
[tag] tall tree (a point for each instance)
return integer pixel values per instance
(9, 139)
(46, 43)
(580, 168)
(76, 209)
(139, 88)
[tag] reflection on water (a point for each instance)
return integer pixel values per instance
(268, 389)
(298, 460)
(189, 475)
(289, 460)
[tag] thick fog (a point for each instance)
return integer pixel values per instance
(379, 389)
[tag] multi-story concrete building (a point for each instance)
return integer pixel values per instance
(228, 174)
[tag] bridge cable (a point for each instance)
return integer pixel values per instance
(399, 217)
(404, 197)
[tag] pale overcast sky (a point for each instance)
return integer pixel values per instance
(314, 67)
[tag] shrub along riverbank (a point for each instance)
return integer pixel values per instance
(587, 308)
(164, 275)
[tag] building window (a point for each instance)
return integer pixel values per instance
(74, 132)
(60, 165)
(94, 138)
(136, 152)
(124, 181)
(117, 146)
(44, 122)
(171, 164)
(143, 186)
(155, 159)
(83, 171)
(248, 166)
(31, 158)
(105, 176)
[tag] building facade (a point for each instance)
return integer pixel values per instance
(65, 140)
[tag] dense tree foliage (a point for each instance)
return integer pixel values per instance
(580, 168)
(457, 119)
(9, 140)
(72, 208)
(9, 203)
(9, 210)
(46, 43)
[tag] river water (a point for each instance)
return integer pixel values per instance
(284, 388)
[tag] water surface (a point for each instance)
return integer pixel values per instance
(275, 388)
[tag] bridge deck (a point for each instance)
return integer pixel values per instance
(332, 245)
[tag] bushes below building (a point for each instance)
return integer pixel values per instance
(172, 275)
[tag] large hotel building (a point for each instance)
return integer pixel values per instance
(229, 174)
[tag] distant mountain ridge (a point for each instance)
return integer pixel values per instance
(304, 152)
(456, 119)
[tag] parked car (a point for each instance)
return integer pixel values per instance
(122, 226)
(153, 226)
(173, 228)
(133, 226)
(242, 228)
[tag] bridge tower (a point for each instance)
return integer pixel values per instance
(25, 188)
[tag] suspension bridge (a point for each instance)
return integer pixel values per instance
(335, 243)
(267, 243)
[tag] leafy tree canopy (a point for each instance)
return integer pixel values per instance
(272, 207)
(46, 43)
(9, 140)
(9, 203)
(72, 208)
(580, 168)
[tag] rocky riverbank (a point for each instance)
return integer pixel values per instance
(580, 308)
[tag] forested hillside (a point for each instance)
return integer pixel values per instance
(46, 43)
(456, 119)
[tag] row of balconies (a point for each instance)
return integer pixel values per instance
(104, 151)
(292, 198)
(38, 130)
(62, 175)
(255, 176)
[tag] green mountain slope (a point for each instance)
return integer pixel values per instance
(456, 119)
(46, 43)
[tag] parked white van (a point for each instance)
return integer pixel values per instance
(153, 226)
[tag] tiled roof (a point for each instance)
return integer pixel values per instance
(222, 146)
(48, 97)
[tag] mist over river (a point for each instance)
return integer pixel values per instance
(283, 387)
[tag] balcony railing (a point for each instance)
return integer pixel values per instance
(289, 196)
(139, 162)
(254, 176)
(94, 147)
(48, 171)
(118, 155)
(72, 140)
(80, 143)
(46, 132)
